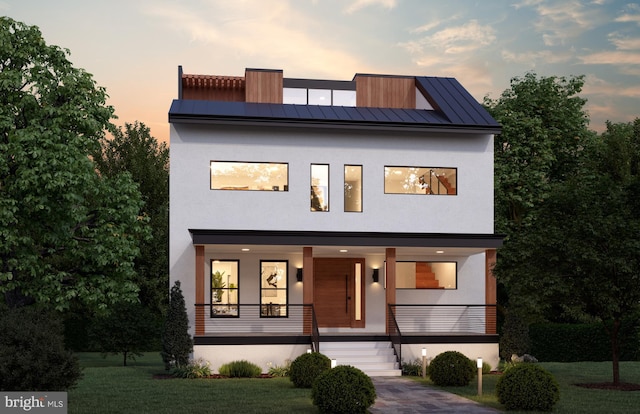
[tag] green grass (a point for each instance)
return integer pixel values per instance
(108, 387)
(573, 399)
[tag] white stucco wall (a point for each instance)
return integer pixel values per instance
(194, 205)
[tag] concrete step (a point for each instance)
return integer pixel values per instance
(374, 358)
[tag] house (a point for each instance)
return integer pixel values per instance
(350, 217)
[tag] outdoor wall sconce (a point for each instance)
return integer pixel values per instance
(299, 275)
(376, 275)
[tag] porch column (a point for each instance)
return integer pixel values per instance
(390, 292)
(200, 290)
(490, 292)
(307, 286)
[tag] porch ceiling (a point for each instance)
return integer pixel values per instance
(349, 244)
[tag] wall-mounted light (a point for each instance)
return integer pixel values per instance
(376, 275)
(299, 275)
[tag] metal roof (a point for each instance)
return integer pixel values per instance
(454, 109)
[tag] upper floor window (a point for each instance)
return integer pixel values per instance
(319, 187)
(310, 96)
(257, 176)
(426, 275)
(420, 180)
(353, 188)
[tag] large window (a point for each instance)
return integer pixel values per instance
(319, 187)
(224, 288)
(258, 176)
(426, 275)
(420, 180)
(353, 188)
(325, 97)
(274, 288)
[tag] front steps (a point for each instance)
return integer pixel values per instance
(375, 358)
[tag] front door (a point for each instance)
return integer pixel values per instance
(338, 292)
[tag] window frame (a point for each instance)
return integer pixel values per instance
(273, 188)
(361, 194)
(417, 182)
(216, 305)
(454, 262)
(326, 191)
(267, 309)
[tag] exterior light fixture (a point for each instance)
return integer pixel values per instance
(299, 275)
(376, 275)
(424, 362)
(334, 363)
(308, 350)
(479, 376)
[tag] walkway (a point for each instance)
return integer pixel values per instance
(401, 395)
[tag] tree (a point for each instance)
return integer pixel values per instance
(544, 125)
(176, 341)
(67, 234)
(135, 151)
(128, 329)
(582, 252)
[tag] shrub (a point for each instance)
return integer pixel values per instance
(306, 368)
(515, 335)
(451, 368)
(240, 369)
(527, 387)
(32, 352)
(486, 368)
(280, 370)
(413, 368)
(176, 341)
(343, 389)
(194, 369)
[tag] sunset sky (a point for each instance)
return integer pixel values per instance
(133, 47)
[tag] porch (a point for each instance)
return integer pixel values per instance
(296, 324)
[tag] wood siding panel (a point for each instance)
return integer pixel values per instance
(263, 86)
(390, 274)
(200, 310)
(490, 291)
(385, 92)
(213, 88)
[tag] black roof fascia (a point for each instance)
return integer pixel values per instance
(242, 113)
(319, 84)
(338, 238)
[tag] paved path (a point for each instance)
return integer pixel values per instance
(401, 395)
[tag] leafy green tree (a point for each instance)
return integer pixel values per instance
(127, 329)
(582, 254)
(176, 341)
(67, 234)
(544, 124)
(135, 151)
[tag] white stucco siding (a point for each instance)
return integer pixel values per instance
(194, 205)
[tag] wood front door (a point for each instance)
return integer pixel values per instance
(338, 296)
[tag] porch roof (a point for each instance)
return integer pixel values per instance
(343, 238)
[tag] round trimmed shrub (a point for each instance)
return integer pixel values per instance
(343, 389)
(527, 387)
(306, 368)
(451, 368)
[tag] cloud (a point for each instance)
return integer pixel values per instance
(629, 18)
(361, 4)
(532, 58)
(613, 57)
(455, 40)
(258, 34)
(624, 43)
(597, 86)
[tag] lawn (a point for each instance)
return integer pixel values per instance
(108, 387)
(573, 399)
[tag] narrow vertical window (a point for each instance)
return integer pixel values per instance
(274, 290)
(224, 288)
(353, 188)
(319, 187)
